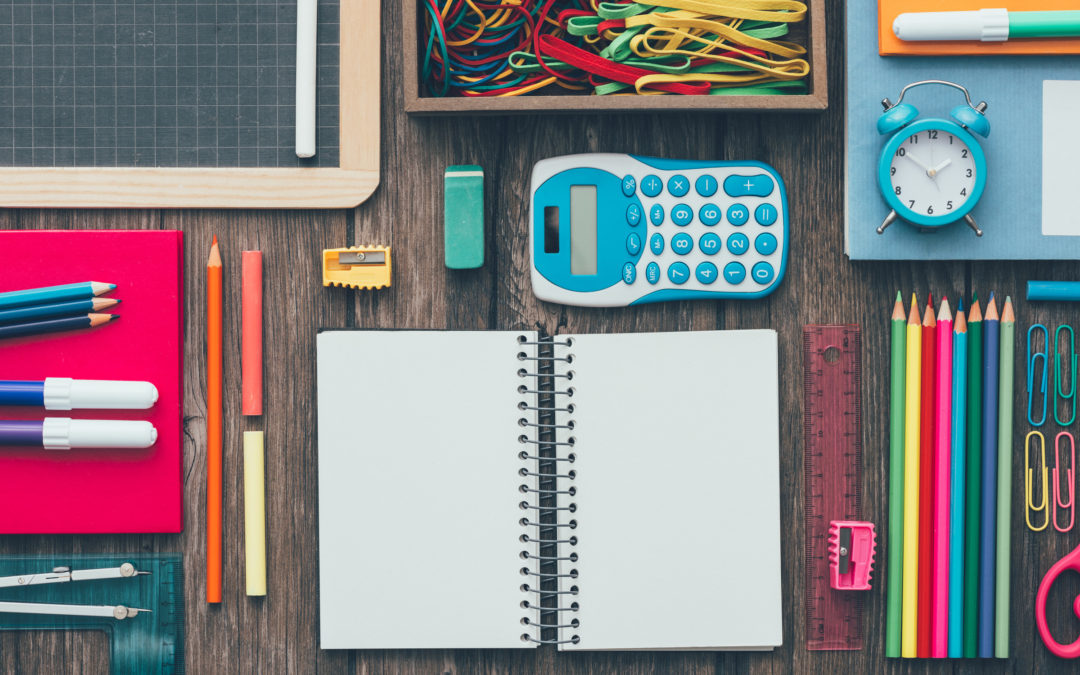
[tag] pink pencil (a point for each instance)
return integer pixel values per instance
(939, 620)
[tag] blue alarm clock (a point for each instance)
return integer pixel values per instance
(932, 171)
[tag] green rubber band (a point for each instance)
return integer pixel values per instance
(613, 10)
(583, 25)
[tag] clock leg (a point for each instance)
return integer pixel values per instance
(971, 223)
(887, 222)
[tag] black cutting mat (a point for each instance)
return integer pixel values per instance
(189, 83)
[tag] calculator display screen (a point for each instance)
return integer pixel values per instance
(582, 229)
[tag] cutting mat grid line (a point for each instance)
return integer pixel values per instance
(184, 83)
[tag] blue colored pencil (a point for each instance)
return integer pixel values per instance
(35, 312)
(956, 492)
(52, 294)
(988, 524)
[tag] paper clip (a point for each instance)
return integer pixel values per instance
(1029, 474)
(1058, 393)
(1069, 476)
(1032, 361)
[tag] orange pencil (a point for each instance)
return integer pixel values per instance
(213, 425)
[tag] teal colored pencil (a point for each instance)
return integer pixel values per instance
(53, 294)
(1004, 481)
(956, 492)
(973, 492)
(894, 572)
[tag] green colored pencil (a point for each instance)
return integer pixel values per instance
(894, 577)
(1004, 480)
(973, 492)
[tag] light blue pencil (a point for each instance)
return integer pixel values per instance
(956, 492)
(51, 294)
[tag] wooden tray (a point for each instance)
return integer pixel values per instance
(417, 102)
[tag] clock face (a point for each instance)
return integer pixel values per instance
(933, 173)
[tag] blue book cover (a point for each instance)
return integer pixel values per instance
(1010, 210)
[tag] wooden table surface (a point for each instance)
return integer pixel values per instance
(280, 633)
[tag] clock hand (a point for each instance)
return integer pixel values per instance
(912, 157)
(941, 166)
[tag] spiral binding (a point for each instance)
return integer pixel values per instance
(543, 512)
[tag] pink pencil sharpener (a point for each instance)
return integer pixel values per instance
(851, 554)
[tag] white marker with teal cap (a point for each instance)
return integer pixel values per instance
(986, 25)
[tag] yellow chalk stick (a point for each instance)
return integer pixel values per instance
(254, 513)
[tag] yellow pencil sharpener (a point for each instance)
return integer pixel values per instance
(364, 267)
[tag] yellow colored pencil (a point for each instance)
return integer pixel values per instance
(910, 592)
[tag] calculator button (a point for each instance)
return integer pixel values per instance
(682, 214)
(656, 243)
(651, 185)
(705, 185)
(652, 273)
(710, 244)
(706, 272)
(633, 244)
(734, 273)
(633, 215)
(628, 186)
(738, 243)
(748, 186)
(682, 243)
(737, 214)
(656, 214)
(762, 273)
(678, 185)
(765, 244)
(765, 214)
(709, 214)
(629, 273)
(678, 273)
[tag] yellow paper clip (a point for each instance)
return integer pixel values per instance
(1029, 474)
(356, 266)
(1070, 474)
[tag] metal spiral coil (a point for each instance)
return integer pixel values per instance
(541, 509)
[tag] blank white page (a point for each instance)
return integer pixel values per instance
(677, 491)
(418, 490)
(1060, 148)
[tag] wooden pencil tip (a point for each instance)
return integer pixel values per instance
(215, 255)
(899, 297)
(944, 312)
(1007, 315)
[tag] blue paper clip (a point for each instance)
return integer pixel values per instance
(1070, 397)
(1032, 365)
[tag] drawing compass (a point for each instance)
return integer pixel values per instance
(63, 575)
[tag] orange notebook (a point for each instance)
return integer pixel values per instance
(889, 45)
(92, 490)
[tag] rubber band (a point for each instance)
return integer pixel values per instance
(648, 47)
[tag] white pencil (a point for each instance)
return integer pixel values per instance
(306, 26)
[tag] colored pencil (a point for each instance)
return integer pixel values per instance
(956, 496)
(939, 591)
(56, 325)
(973, 492)
(988, 524)
(926, 478)
(1004, 479)
(213, 425)
(52, 294)
(34, 312)
(912, 390)
(893, 577)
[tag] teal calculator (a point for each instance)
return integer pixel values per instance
(610, 230)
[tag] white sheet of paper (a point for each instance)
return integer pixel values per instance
(1060, 151)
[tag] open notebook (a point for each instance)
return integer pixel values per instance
(665, 526)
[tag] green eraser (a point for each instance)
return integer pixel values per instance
(463, 216)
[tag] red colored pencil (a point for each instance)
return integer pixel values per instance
(926, 481)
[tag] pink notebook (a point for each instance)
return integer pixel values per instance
(90, 490)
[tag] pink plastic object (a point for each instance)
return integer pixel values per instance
(851, 554)
(1069, 562)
